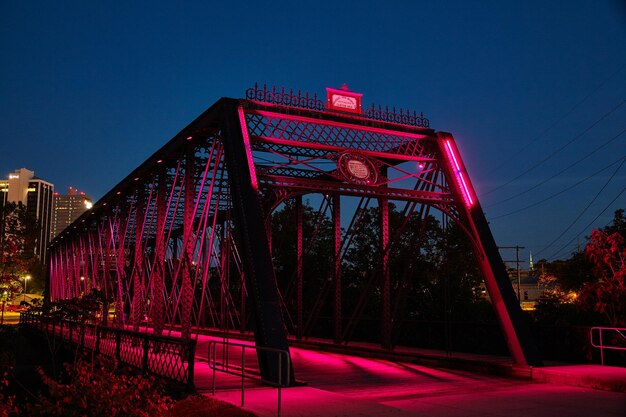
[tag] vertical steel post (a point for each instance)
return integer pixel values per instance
(299, 273)
(67, 276)
(84, 262)
(386, 290)
(255, 252)
(120, 259)
(48, 289)
(514, 326)
(188, 244)
(138, 302)
(59, 280)
(224, 279)
(157, 308)
(93, 255)
(106, 273)
(337, 267)
(75, 254)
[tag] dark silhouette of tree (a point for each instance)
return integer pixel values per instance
(571, 273)
(432, 270)
(17, 244)
(617, 225)
(317, 255)
(577, 271)
(582, 291)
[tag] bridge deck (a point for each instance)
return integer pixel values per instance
(343, 385)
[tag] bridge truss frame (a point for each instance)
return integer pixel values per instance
(184, 240)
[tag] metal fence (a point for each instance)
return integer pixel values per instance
(224, 363)
(609, 338)
(169, 357)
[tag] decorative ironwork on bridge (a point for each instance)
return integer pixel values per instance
(184, 240)
(289, 98)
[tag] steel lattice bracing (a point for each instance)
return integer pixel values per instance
(183, 241)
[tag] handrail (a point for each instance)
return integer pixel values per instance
(166, 356)
(226, 368)
(619, 331)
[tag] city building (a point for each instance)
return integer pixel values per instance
(35, 194)
(66, 208)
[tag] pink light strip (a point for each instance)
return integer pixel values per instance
(466, 189)
(246, 142)
(459, 174)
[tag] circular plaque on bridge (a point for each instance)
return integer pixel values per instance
(357, 169)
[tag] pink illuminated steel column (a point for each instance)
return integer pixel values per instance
(138, 303)
(386, 286)
(514, 326)
(84, 277)
(93, 260)
(299, 272)
(106, 273)
(120, 263)
(76, 258)
(61, 271)
(158, 274)
(337, 267)
(188, 244)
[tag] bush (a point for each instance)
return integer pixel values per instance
(7, 402)
(96, 390)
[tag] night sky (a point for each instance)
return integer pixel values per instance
(89, 90)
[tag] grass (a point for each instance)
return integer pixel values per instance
(200, 406)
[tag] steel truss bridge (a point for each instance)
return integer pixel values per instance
(184, 240)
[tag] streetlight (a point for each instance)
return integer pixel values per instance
(26, 278)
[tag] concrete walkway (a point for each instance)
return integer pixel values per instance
(343, 385)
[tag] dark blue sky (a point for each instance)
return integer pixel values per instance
(88, 90)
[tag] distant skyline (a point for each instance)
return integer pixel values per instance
(534, 92)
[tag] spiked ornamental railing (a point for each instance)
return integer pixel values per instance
(304, 100)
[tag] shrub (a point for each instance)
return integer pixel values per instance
(96, 390)
(7, 402)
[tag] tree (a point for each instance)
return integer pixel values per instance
(317, 255)
(571, 273)
(607, 295)
(618, 224)
(17, 242)
(432, 271)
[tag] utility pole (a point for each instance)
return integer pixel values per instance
(517, 262)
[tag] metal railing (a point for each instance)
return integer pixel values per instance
(169, 357)
(617, 335)
(226, 366)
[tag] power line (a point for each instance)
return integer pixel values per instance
(560, 192)
(588, 224)
(586, 208)
(517, 263)
(538, 164)
(541, 134)
(560, 172)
